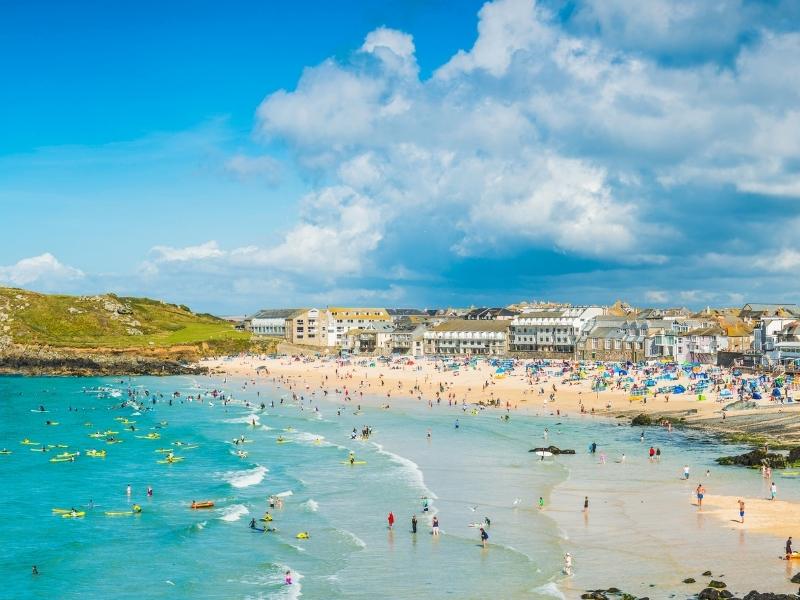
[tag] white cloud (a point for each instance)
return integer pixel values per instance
(205, 251)
(785, 260)
(43, 270)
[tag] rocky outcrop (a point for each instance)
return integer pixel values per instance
(754, 595)
(46, 361)
(756, 458)
(641, 420)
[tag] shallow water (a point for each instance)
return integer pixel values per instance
(632, 537)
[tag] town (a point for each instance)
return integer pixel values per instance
(755, 336)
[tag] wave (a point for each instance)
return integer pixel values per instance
(550, 590)
(234, 512)
(310, 505)
(353, 538)
(248, 419)
(242, 479)
(413, 472)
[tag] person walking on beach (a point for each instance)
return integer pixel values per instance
(413, 523)
(390, 518)
(741, 510)
(773, 491)
(686, 471)
(541, 503)
(700, 491)
(484, 537)
(435, 526)
(789, 548)
(586, 504)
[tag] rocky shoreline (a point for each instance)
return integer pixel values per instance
(77, 363)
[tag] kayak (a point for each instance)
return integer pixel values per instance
(67, 454)
(69, 515)
(61, 511)
(119, 513)
(190, 447)
(168, 461)
(109, 432)
(39, 411)
(303, 535)
(5, 451)
(204, 504)
(114, 442)
(70, 459)
(27, 442)
(97, 435)
(52, 423)
(165, 450)
(355, 462)
(280, 441)
(792, 556)
(149, 436)
(39, 450)
(96, 453)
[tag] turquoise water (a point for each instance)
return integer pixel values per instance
(170, 551)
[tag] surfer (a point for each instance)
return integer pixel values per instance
(34, 570)
(252, 523)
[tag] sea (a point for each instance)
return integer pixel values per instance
(641, 533)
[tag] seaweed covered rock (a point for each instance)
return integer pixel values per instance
(553, 450)
(641, 420)
(755, 458)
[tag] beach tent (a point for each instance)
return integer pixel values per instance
(725, 394)
(776, 392)
(678, 389)
(756, 396)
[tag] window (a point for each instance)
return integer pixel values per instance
(594, 345)
(608, 344)
(617, 345)
(627, 345)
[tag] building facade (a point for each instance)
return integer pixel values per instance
(270, 322)
(463, 337)
(552, 331)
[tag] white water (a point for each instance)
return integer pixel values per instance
(243, 479)
(234, 512)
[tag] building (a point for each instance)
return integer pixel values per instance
(701, 345)
(756, 311)
(786, 349)
(270, 322)
(409, 338)
(551, 331)
(465, 337)
(768, 330)
(307, 327)
(328, 327)
(372, 338)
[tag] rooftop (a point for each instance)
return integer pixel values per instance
(471, 325)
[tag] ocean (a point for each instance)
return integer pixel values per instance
(640, 534)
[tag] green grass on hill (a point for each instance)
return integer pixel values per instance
(109, 321)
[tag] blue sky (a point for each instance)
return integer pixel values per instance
(402, 153)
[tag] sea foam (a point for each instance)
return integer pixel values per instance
(411, 469)
(234, 512)
(243, 479)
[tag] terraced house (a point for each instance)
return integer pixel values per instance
(328, 327)
(551, 332)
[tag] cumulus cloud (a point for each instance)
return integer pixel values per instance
(44, 271)
(254, 166)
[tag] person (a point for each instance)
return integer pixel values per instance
(34, 570)
(541, 503)
(252, 523)
(390, 518)
(128, 490)
(424, 504)
(484, 537)
(288, 578)
(773, 491)
(149, 491)
(567, 564)
(429, 434)
(586, 504)
(435, 526)
(652, 452)
(352, 458)
(658, 453)
(73, 512)
(700, 491)
(641, 437)
(456, 423)
(789, 547)
(741, 509)
(487, 521)
(414, 524)
(686, 471)
(137, 509)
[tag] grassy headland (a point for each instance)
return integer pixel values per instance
(37, 330)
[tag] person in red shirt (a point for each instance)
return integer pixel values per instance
(391, 519)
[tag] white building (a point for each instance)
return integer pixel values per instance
(270, 322)
(551, 330)
(463, 337)
(701, 345)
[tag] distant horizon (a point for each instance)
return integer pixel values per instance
(403, 154)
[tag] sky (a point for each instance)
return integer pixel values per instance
(243, 155)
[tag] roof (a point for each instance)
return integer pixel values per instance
(712, 330)
(472, 325)
(544, 314)
(372, 328)
(359, 312)
(404, 312)
(274, 313)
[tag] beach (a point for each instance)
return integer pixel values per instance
(642, 533)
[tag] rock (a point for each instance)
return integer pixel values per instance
(613, 590)
(796, 578)
(794, 454)
(709, 594)
(594, 596)
(706, 573)
(689, 580)
(754, 595)
(755, 458)
(641, 420)
(553, 450)
(717, 584)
